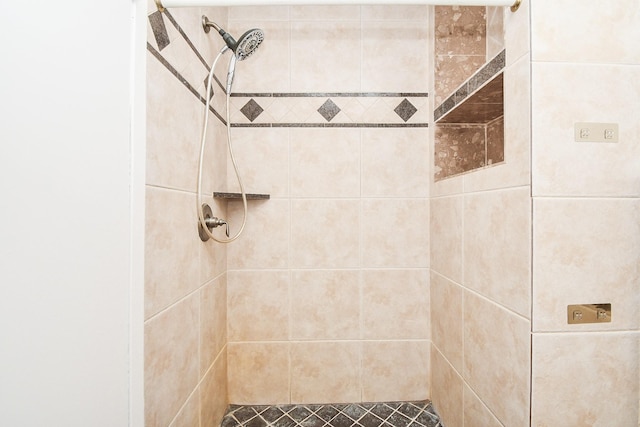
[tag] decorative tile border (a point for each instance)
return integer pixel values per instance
(311, 109)
(329, 109)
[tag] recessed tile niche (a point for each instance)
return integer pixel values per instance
(469, 122)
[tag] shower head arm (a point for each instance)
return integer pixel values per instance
(228, 39)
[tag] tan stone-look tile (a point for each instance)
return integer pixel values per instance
(189, 415)
(258, 305)
(251, 147)
(516, 168)
(325, 305)
(325, 372)
(584, 37)
(174, 126)
(318, 64)
(171, 360)
(447, 319)
(395, 371)
(267, 13)
(459, 148)
(213, 393)
(453, 70)
(564, 94)
(325, 12)
(265, 239)
(171, 248)
(325, 233)
(495, 30)
(446, 236)
(394, 162)
(395, 233)
(258, 373)
(389, 59)
(497, 359)
(325, 162)
(394, 11)
(272, 54)
(566, 365)
(446, 390)
(476, 414)
(213, 321)
(586, 252)
(395, 304)
(497, 247)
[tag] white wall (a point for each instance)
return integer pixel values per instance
(65, 214)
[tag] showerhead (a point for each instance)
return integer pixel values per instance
(242, 48)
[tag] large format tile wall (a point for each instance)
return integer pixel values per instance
(328, 288)
(481, 240)
(586, 212)
(185, 283)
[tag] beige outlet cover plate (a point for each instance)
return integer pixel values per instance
(596, 132)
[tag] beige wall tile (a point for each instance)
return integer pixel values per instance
(517, 37)
(173, 134)
(446, 390)
(390, 62)
(213, 392)
(325, 13)
(586, 252)
(265, 240)
(189, 415)
(267, 70)
(495, 30)
(395, 233)
(497, 247)
(251, 147)
(171, 248)
(563, 365)
(395, 12)
(325, 162)
(258, 305)
(171, 360)
(476, 414)
(325, 372)
(497, 359)
(395, 370)
(213, 321)
(446, 187)
(325, 56)
(325, 305)
(447, 319)
(562, 166)
(394, 162)
(270, 13)
(446, 236)
(258, 373)
(324, 233)
(588, 35)
(395, 304)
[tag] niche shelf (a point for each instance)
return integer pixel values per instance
(469, 131)
(238, 196)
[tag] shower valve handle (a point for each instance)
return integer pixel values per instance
(214, 222)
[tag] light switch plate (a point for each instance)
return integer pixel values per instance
(588, 313)
(596, 132)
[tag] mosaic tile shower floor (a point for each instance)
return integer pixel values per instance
(389, 414)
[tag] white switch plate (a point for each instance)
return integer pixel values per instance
(596, 132)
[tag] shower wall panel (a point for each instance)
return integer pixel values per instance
(185, 280)
(328, 288)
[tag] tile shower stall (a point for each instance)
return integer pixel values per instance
(398, 258)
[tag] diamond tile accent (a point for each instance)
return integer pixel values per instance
(395, 414)
(329, 110)
(159, 30)
(251, 110)
(405, 110)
